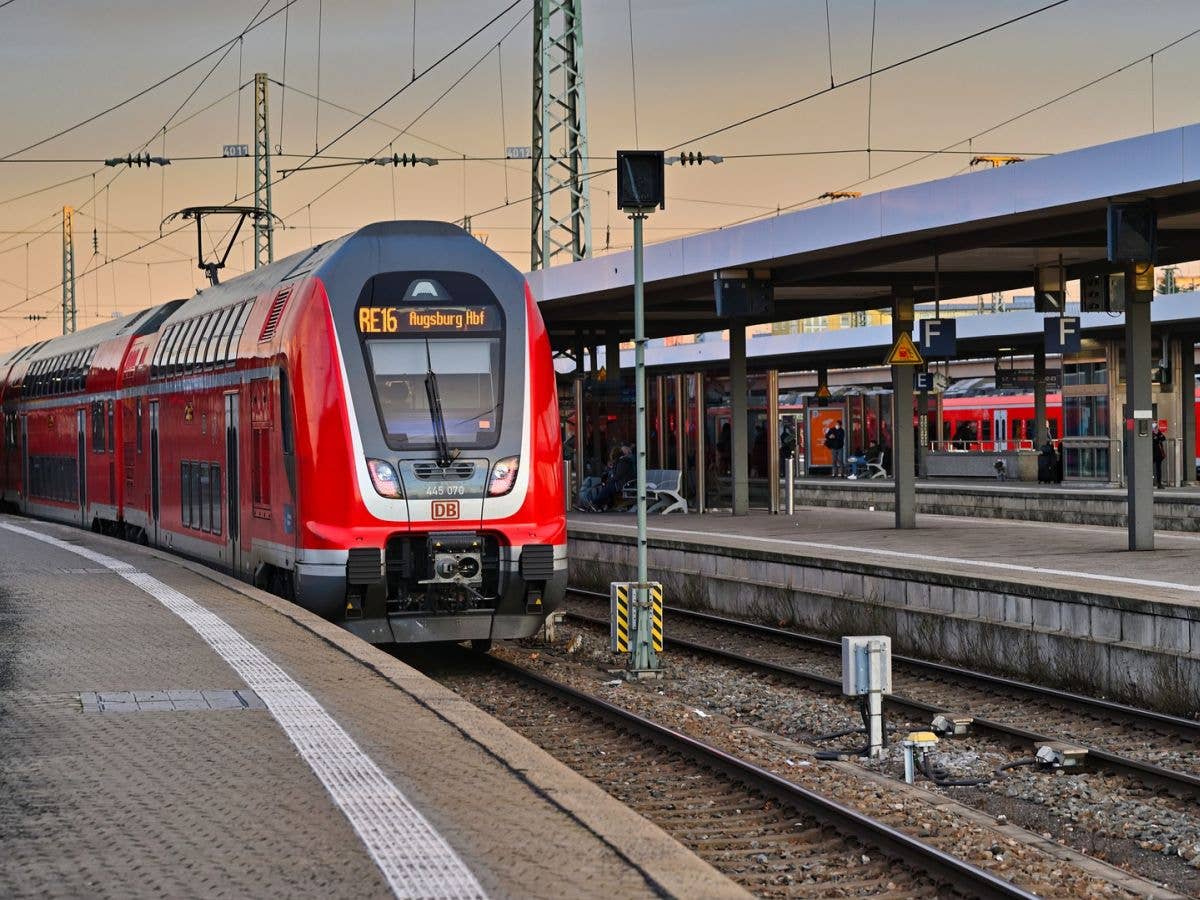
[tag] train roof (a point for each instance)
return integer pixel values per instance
(250, 284)
(135, 323)
(319, 259)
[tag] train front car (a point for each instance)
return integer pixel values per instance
(434, 510)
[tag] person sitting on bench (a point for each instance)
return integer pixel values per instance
(621, 471)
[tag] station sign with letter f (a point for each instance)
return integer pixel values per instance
(1063, 334)
(939, 338)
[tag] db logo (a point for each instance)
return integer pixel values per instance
(445, 509)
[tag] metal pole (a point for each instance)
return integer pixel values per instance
(1139, 464)
(1040, 435)
(739, 469)
(701, 443)
(903, 462)
(639, 381)
(1187, 412)
(790, 485)
(772, 434)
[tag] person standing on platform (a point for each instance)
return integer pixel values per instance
(1160, 453)
(835, 440)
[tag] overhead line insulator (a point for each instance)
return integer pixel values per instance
(405, 160)
(137, 160)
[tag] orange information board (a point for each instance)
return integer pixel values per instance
(821, 420)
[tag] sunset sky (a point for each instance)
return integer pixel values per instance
(699, 65)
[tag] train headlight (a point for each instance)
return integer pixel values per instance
(385, 479)
(504, 476)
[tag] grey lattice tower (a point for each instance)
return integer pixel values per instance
(561, 211)
(68, 270)
(264, 227)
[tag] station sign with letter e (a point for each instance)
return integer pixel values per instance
(904, 352)
(1063, 334)
(923, 381)
(939, 338)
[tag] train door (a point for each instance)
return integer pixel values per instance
(81, 462)
(155, 486)
(232, 481)
(1000, 428)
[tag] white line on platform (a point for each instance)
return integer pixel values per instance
(415, 860)
(925, 557)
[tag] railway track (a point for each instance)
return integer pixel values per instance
(769, 835)
(1123, 739)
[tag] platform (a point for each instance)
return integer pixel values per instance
(1066, 602)
(170, 731)
(1076, 503)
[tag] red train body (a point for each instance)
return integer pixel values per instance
(369, 427)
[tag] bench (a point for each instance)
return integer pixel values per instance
(663, 491)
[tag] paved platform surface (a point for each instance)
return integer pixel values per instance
(1085, 558)
(1188, 492)
(161, 734)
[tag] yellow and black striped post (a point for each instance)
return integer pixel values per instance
(637, 632)
(656, 617)
(619, 617)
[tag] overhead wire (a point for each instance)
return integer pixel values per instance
(310, 157)
(633, 75)
(1008, 121)
(424, 111)
(251, 25)
(829, 41)
(283, 75)
(815, 94)
(871, 83)
(869, 74)
(146, 90)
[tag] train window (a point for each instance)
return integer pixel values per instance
(189, 354)
(205, 496)
(236, 334)
(185, 494)
(215, 335)
(214, 483)
(172, 341)
(98, 442)
(174, 336)
(203, 335)
(160, 352)
(468, 378)
(197, 494)
(986, 430)
(260, 472)
(179, 351)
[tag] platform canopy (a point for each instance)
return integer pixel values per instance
(989, 230)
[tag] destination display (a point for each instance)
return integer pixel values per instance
(426, 319)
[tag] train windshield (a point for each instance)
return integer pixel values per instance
(468, 380)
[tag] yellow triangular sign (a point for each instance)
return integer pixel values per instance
(904, 352)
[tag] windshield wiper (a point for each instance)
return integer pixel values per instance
(441, 442)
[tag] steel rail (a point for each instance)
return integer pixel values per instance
(1180, 784)
(937, 864)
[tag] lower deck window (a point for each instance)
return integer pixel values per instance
(200, 496)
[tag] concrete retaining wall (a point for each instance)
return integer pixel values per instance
(1172, 511)
(1138, 651)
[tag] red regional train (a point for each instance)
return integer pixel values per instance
(369, 427)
